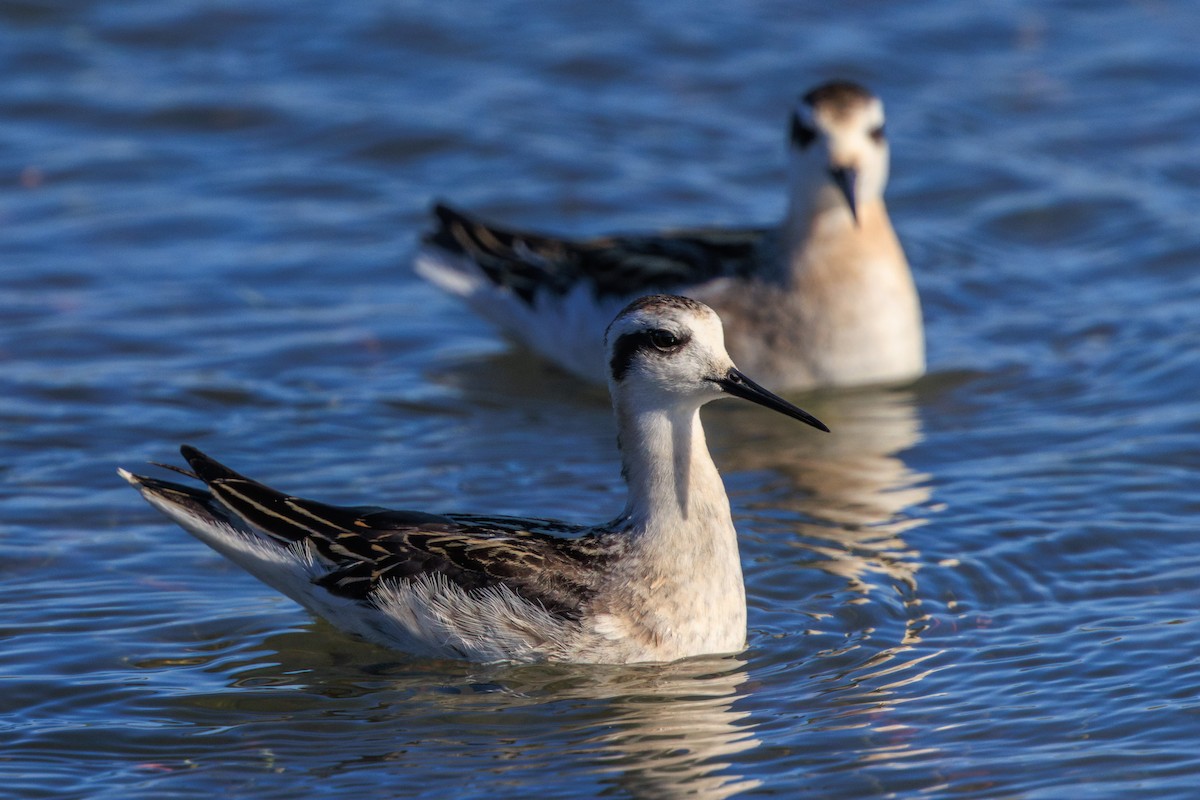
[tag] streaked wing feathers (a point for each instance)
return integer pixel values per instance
(366, 546)
(527, 263)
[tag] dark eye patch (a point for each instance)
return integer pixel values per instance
(877, 134)
(629, 345)
(802, 135)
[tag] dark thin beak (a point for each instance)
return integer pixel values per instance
(738, 385)
(844, 178)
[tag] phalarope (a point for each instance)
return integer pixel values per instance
(825, 298)
(660, 582)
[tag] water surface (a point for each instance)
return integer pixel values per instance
(982, 585)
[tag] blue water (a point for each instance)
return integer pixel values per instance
(985, 585)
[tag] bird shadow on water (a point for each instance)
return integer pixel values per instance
(514, 377)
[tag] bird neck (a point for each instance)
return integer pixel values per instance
(674, 487)
(815, 208)
(819, 232)
(684, 576)
(818, 215)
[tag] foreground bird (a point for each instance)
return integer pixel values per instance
(660, 582)
(825, 298)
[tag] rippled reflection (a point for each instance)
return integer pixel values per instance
(851, 490)
(844, 503)
(675, 734)
(849, 502)
(654, 731)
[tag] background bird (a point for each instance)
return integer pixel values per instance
(824, 298)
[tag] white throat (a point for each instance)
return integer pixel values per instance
(687, 567)
(673, 482)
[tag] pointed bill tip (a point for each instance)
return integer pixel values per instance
(814, 422)
(845, 179)
(738, 385)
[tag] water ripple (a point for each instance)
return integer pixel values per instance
(207, 211)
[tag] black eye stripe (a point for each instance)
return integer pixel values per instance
(802, 135)
(877, 134)
(629, 345)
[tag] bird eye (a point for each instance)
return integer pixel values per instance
(802, 135)
(877, 134)
(663, 340)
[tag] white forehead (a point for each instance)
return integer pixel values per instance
(679, 315)
(843, 114)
